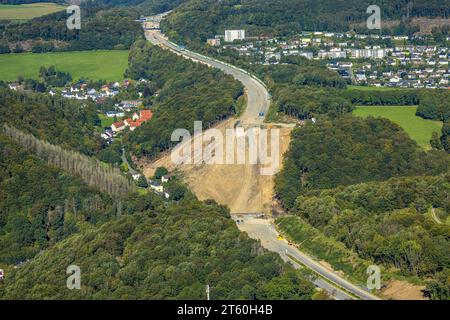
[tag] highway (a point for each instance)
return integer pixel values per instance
(261, 229)
(264, 230)
(258, 98)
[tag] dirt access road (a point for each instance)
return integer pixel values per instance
(242, 187)
(239, 186)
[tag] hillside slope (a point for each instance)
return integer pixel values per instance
(198, 19)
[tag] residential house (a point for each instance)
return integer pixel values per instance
(131, 103)
(112, 114)
(215, 42)
(14, 86)
(136, 176)
(166, 178)
(157, 186)
(146, 115)
(118, 126)
(128, 121)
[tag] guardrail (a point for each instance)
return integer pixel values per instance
(224, 63)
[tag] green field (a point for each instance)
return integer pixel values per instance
(418, 128)
(106, 121)
(106, 65)
(28, 11)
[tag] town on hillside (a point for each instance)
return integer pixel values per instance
(374, 60)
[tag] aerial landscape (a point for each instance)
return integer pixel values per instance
(243, 150)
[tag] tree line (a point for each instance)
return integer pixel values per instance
(347, 150)
(103, 27)
(305, 89)
(68, 123)
(41, 205)
(106, 178)
(198, 20)
(388, 222)
(435, 105)
(184, 92)
(136, 248)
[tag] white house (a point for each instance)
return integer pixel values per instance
(166, 178)
(13, 86)
(118, 126)
(155, 185)
(136, 176)
(112, 114)
(215, 42)
(231, 35)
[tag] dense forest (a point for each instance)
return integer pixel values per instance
(390, 223)
(40, 205)
(435, 105)
(169, 254)
(102, 28)
(365, 184)
(361, 189)
(95, 173)
(67, 123)
(197, 20)
(135, 248)
(348, 150)
(187, 92)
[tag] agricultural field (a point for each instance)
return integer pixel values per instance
(106, 65)
(28, 11)
(418, 128)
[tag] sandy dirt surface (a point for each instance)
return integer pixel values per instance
(402, 290)
(241, 187)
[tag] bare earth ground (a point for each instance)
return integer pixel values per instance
(402, 290)
(241, 187)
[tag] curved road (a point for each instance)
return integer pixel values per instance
(259, 101)
(258, 98)
(264, 230)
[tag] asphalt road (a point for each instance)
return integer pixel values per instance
(259, 101)
(258, 98)
(263, 230)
